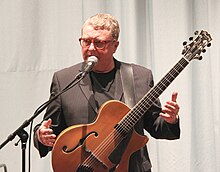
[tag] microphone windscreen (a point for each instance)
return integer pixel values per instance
(93, 59)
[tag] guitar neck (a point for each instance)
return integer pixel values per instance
(134, 115)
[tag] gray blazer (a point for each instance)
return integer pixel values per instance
(77, 106)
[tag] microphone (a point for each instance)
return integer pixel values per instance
(91, 62)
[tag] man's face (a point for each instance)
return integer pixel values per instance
(104, 55)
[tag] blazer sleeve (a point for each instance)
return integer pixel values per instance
(155, 125)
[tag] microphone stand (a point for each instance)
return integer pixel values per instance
(20, 132)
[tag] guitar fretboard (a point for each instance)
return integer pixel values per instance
(134, 115)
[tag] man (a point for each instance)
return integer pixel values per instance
(80, 104)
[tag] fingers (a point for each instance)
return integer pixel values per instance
(172, 119)
(47, 123)
(174, 96)
(48, 140)
(171, 109)
(172, 106)
(45, 133)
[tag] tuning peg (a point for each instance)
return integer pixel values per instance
(184, 43)
(209, 44)
(200, 58)
(196, 32)
(190, 38)
(204, 50)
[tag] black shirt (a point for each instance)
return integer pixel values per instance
(103, 86)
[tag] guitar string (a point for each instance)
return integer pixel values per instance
(160, 87)
(101, 149)
(118, 141)
(113, 136)
(110, 139)
(175, 74)
(134, 116)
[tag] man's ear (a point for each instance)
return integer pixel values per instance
(116, 45)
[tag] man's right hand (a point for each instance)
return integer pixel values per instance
(45, 133)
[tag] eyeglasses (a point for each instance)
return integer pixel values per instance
(97, 43)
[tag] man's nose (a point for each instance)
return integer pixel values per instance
(92, 46)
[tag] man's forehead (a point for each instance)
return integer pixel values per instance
(90, 31)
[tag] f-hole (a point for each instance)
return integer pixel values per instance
(80, 143)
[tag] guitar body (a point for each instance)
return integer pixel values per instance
(84, 148)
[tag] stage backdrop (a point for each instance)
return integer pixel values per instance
(39, 37)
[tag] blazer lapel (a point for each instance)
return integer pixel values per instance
(86, 88)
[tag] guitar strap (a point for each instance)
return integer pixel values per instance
(127, 80)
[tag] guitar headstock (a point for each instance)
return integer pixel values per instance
(197, 46)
